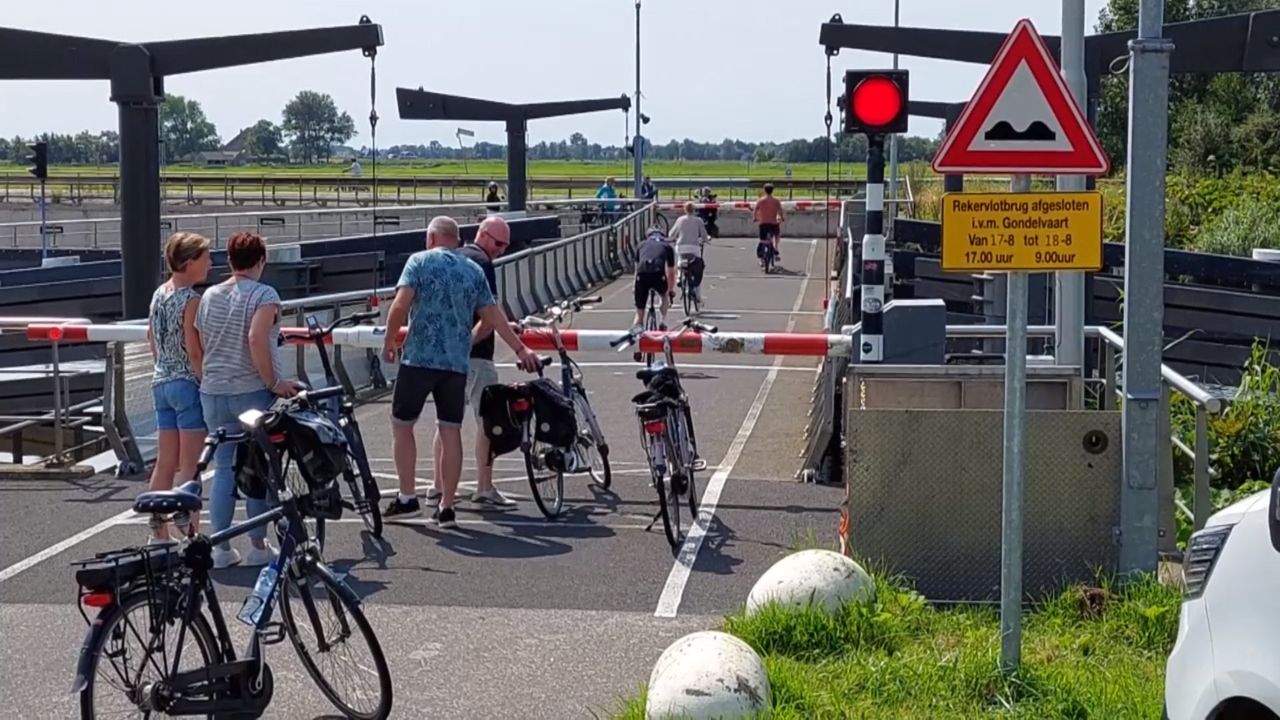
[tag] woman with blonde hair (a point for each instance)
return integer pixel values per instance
(175, 346)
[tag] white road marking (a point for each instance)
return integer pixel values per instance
(673, 591)
(120, 519)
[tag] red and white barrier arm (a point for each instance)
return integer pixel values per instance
(747, 205)
(371, 336)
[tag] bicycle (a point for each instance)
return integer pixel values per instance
(589, 451)
(365, 492)
(652, 323)
(690, 296)
(171, 587)
(767, 253)
(668, 437)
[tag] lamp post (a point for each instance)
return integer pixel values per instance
(893, 146)
(639, 140)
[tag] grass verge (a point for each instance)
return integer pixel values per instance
(1087, 653)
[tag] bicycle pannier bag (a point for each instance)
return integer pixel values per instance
(503, 409)
(554, 419)
(317, 445)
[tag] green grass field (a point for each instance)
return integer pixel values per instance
(1088, 653)
(486, 169)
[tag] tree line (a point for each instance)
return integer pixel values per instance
(311, 125)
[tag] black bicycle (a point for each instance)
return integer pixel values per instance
(667, 435)
(652, 323)
(690, 296)
(148, 596)
(359, 479)
(546, 462)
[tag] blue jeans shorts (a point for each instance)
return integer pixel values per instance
(178, 405)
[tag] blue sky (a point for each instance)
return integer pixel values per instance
(749, 69)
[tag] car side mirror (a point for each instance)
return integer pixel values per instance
(1273, 512)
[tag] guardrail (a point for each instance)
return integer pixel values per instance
(337, 188)
(528, 282)
(286, 225)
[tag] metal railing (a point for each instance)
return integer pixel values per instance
(279, 225)
(528, 281)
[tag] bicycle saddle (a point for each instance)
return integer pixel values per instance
(185, 497)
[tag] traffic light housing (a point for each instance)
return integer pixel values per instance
(875, 101)
(39, 159)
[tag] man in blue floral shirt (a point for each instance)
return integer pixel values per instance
(439, 294)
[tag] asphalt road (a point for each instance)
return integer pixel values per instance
(509, 616)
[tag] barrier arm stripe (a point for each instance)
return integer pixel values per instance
(371, 336)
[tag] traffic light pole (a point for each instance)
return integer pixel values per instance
(873, 256)
(44, 218)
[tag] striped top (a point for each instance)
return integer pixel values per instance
(168, 305)
(226, 310)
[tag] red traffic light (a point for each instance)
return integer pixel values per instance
(877, 101)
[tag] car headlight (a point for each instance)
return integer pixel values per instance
(1203, 550)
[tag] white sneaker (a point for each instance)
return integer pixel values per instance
(260, 556)
(433, 497)
(225, 558)
(492, 498)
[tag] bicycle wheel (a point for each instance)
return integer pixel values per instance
(686, 295)
(669, 495)
(660, 221)
(318, 592)
(546, 480)
(365, 492)
(651, 323)
(109, 638)
(591, 442)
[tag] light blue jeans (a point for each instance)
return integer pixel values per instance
(223, 411)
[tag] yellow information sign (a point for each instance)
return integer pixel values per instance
(1040, 231)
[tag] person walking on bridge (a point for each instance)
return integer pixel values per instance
(175, 347)
(439, 294)
(239, 324)
(608, 192)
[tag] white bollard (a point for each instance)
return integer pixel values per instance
(820, 577)
(707, 675)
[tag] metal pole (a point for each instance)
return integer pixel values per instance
(873, 256)
(1069, 285)
(44, 218)
(1144, 287)
(517, 187)
(1015, 405)
(639, 141)
(893, 145)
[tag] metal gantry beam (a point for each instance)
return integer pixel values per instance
(426, 105)
(136, 72)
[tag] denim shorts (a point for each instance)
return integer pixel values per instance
(178, 405)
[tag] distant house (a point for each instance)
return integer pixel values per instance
(215, 158)
(231, 153)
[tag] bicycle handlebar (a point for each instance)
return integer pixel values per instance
(699, 327)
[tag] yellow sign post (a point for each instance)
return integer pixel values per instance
(1042, 231)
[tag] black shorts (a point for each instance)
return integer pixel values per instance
(767, 229)
(645, 283)
(414, 384)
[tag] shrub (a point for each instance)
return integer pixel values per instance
(1243, 227)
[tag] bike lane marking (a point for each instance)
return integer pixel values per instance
(673, 591)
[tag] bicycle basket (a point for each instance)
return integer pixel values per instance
(503, 411)
(317, 446)
(555, 421)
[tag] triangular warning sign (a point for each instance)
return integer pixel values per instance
(1022, 119)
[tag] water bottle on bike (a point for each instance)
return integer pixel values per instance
(251, 611)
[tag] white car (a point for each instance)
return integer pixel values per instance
(1226, 662)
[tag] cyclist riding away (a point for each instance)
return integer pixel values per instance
(655, 271)
(768, 215)
(690, 234)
